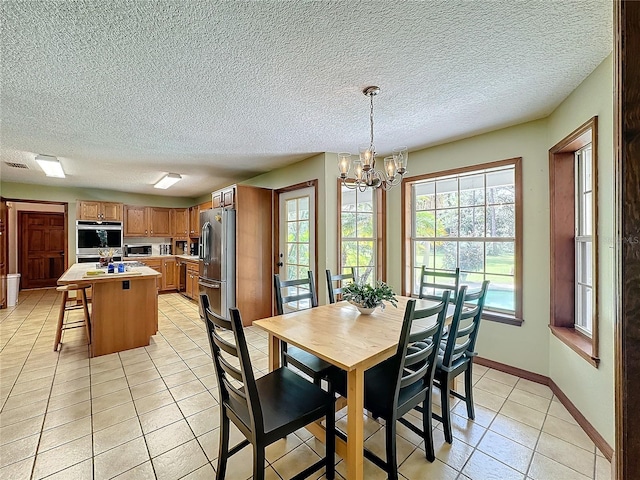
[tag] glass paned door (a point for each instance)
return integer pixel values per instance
(297, 247)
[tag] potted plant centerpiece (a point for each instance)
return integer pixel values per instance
(367, 298)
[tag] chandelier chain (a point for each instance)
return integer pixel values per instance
(371, 120)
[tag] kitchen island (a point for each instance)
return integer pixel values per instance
(124, 306)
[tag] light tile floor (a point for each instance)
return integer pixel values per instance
(153, 413)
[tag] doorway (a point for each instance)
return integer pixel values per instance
(41, 248)
(297, 231)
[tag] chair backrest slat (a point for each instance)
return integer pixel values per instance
(419, 347)
(333, 291)
(426, 283)
(230, 369)
(226, 346)
(462, 336)
(242, 399)
(305, 290)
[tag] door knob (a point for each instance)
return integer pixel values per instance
(280, 264)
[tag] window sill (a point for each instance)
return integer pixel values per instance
(502, 318)
(576, 342)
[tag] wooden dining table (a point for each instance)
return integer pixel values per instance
(339, 334)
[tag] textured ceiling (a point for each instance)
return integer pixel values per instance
(123, 92)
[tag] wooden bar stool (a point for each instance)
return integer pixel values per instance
(65, 289)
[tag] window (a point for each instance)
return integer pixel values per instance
(469, 218)
(361, 233)
(583, 240)
(573, 202)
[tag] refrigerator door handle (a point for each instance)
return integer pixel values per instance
(209, 285)
(205, 253)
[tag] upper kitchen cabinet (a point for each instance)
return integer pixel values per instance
(224, 198)
(194, 221)
(136, 221)
(160, 222)
(147, 221)
(99, 211)
(180, 223)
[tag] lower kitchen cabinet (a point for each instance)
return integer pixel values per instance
(168, 268)
(170, 280)
(191, 283)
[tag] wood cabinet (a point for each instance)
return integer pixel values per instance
(168, 267)
(147, 221)
(254, 247)
(156, 264)
(136, 221)
(180, 223)
(191, 282)
(170, 280)
(159, 222)
(194, 221)
(224, 198)
(99, 211)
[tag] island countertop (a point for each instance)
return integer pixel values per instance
(77, 273)
(124, 306)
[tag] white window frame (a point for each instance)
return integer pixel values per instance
(584, 241)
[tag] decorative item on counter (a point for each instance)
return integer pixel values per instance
(367, 298)
(106, 256)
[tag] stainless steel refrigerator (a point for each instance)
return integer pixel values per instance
(218, 259)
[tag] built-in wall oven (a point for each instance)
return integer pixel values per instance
(92, 238)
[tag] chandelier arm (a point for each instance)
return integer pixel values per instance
(349, 185)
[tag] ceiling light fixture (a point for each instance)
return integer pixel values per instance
(50, 165)
(364, 169)
(168, 180)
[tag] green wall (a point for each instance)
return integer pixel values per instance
(531, 346)
(313, 168)
(592, 389)
(525, 347)
(26, 191)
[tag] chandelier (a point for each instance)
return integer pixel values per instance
(363, 169)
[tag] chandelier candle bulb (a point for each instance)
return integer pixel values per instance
(344, 164)
(390, 167)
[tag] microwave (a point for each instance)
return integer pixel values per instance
(137, 250)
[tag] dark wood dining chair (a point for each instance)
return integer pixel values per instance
(305, 291)
(264, 409)
(404, 381)
(457, 354)
(333, 291)
(434, 282)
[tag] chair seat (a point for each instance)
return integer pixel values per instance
(308, 362)
(378, 399)
(286, 398)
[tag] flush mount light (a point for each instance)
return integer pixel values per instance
(50, 165)
(168, 180)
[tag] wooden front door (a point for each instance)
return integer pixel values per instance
(3, 252)
(41, 241)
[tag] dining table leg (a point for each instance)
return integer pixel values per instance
(355, 424)
(274, 353)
